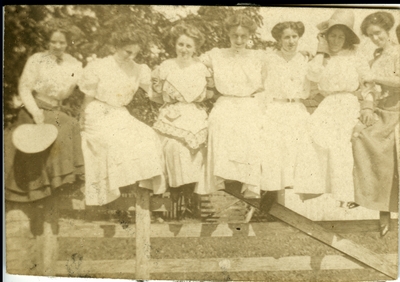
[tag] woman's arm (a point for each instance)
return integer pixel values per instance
(26, 83)
(156, 84)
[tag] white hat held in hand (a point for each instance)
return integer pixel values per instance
(34, 138)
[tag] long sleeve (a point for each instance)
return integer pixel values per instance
(27, 82)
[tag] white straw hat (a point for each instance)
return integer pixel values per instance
(34, 138)
(341, 17)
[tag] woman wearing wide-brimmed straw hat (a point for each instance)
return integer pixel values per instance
(376, 174)
(338, 73)
(37, 166)
(119, 150)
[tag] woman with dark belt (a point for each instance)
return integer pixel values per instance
(376, 175)
(338, 72)
(34, 173)
(234, 140)
(289, 158)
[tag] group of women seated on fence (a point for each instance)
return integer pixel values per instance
(258, 136)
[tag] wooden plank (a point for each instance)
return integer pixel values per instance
(143, 222)
(168, 230)
(292, 263)
(334, 240)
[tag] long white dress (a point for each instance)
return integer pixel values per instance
(289, 157)
(118, 149)
(182, 122)
(235, 120)
(333, 121)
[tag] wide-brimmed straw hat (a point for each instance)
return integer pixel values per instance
(341, 17)
(34, 138)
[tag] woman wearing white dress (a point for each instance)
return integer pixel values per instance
(289, 160)
(119, 150)
(181, 85)
(338, 73)
(235, 121)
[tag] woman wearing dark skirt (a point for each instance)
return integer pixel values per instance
(376, 174)
(48, 78)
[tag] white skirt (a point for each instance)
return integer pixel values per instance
(331, 126)
(234, 144)
(119, 150)
(289, 158)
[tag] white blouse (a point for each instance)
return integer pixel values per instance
(287, 79)
(182, 84)
(236, 74)
(104, 80)
(46, 77)
(341, 74)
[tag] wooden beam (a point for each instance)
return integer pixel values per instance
(334, 240)
(291, 263)
(168, 230)
(143, 222)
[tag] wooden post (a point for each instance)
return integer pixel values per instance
(333, 240)
(143, 223)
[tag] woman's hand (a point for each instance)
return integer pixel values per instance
(367, 117)
(323, 46)
(38, 116)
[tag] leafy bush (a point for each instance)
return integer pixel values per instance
(23, 26)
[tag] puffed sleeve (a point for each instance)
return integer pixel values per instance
(89, 80)
(30, 73)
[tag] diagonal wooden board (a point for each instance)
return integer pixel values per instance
(326, 236)
(334, 240)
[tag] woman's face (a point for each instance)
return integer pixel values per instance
(336, 39)
(239, 36)
(128, 52)
(289, 40)
(58, 43)
(185, 47)
(378, 35)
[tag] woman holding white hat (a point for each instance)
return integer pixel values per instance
(46, 150)
(119, 150)
(376, 172)
(338, 73)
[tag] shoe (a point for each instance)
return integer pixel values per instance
(352, 205)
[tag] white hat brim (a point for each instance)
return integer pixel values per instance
(34, 138)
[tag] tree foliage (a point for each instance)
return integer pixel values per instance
(24, 36)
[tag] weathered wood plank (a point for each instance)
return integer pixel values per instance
(292, 263)
(143, 223)
(106, 229)
(334, 240)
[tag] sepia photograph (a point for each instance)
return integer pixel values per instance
(201, 143)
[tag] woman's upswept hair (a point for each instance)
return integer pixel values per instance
(278, 29)
(188, 30)
(128, 35)
(58, 24)
(240, 19)
(384, 20)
